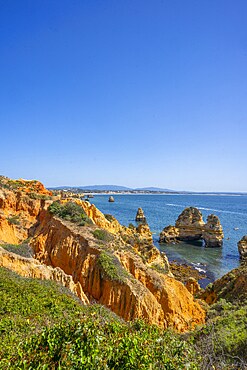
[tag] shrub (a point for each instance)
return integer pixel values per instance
(109, 217)
(91, 345)
(39, 196)
(111, 268)
(23, 249)
(70, 212)
(101, 234)
(223, 340)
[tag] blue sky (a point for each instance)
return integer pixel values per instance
(127, 92)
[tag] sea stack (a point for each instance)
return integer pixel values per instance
(191, 227)
(140, 217)
(111, 199)
(242, 248)
(212, 232)
(190, 224)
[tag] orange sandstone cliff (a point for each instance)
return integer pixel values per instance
(125, 284)
(20, 204)
(126, 272)
(30, 267)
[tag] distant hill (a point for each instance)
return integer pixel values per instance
(111, 188)
(104, 187)
(154, 189)
(94, 188)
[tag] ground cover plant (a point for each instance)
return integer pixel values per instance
(43, 326)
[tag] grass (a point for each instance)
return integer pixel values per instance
(39, 196)
(109, 217)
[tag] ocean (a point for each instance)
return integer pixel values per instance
(162, 210)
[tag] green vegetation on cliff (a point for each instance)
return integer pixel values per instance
(22, 249)
(111, 268)
(43, 326)
(70, 212)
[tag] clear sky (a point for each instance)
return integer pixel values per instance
(127, 92)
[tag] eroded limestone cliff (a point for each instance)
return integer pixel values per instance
(30, 267)
(133, 290)
(21, 201)
(124, 272)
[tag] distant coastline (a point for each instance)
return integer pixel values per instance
(145, 191)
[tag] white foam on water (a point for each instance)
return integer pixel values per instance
(207, 209)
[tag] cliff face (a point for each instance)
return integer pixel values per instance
(190, 227)
(29, 267)
(135, 291)
(125, 272)
(232, 286)
(20, 204)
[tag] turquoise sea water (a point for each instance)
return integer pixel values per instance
(163, 210)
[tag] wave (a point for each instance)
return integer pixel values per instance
(200, 269)
(207, 209)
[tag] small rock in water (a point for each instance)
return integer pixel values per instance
(140, 217)
(242, 248)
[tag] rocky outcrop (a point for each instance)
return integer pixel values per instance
(190, 224)
(191, 227)
(29, 267)
(170, 234)
(212, 232)
(193, 286)
(19, 211)
(111, 199)
(232, 287)
(242, 248)
(131, 235)
(140, 217)
(136, 290)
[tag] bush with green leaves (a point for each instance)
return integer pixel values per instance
(70, 212)
(91, 344)
(43, 326)
(223, 340)
(22, 249)
(109, 217)
(103, 235)
(111, 268)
